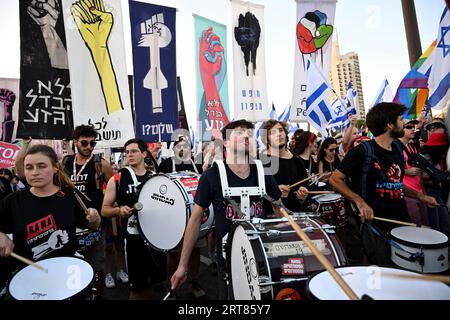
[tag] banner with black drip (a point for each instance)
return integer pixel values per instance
(250, 87)
(45, 106)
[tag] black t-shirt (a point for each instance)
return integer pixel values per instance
(127, 196)
(86, 181)
(384, 181)
(330, 167)
(288, 171)
(5, 188)
(210, 191)
(310, 165)
(167, 166)
(42, 227)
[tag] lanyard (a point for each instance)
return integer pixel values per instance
(75, 174)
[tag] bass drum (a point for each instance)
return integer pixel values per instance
(68, 278)
(168, 200)
(268, 261)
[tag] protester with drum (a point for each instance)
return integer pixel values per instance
(182, 161)
(43, 218)
(146, 266)
(376, 171)
(238, 173)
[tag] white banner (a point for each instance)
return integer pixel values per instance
(250, 87)
(96, 52)
(314, 36)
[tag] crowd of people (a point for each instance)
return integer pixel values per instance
(400, 173)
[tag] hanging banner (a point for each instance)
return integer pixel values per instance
(9, 109)
(45, 107)
(98, 71)
(154, 66)
(314, 30)
(212, 76)
(250, 88)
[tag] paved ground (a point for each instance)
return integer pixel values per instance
(207, 278)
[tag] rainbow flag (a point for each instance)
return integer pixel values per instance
(413, 89)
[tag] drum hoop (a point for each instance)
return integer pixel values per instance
(183, 193)
(416, 245)
(74, 297)
(260, 248)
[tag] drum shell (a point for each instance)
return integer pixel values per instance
(332, 209)
(276, 262)
(435, 255)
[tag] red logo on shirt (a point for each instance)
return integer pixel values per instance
(39, 226)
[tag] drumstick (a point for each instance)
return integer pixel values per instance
(397, 222)
(321, 192)
(327, 265)
(301, 181)
(81, 202)
(426, 277)
(169, 294)
(138, 206)
(29, 262)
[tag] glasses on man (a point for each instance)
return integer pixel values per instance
(409, 127)
(85, 143)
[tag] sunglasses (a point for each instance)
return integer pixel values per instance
(85, 143)
(409, 127)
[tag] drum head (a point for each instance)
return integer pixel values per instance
(244, 273)
(163, 218)
(327, 197)
(423, 237)
(66, 278)
(373, 281)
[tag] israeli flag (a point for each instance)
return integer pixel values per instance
(318, 109)
(384, 94)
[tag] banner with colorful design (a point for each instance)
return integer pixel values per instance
(314, 36)
(8, 154)
(249, 66)
(96, 51)
(153, 39)
(45, 106)
(9, 109)
(212, 76)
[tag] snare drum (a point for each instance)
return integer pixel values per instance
(268, 261)
(378, 283)
(332, 209)
(423, 250)
(168, 200)
(68, 278)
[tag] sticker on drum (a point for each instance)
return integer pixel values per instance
(168, 200)
(332, 208)
(67, 278)
(379, 283)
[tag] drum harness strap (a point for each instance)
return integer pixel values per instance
(193, 165)
(243, 192)
(418, 256)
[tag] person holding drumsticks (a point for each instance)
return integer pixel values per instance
(240, 172)
(146, 266)
(376, 169)
(43, 218)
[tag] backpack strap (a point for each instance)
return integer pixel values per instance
(369, 159)
(100, 177)
(400, 147)
(64, 162)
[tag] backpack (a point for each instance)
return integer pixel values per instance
(370, 158)
(99, 175)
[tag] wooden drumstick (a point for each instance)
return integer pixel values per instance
(138, 206)
(81, 202)
(28, 261)
(426, 277)
(404, 223)
(301, 181)
(321, 192)
(324, 261)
